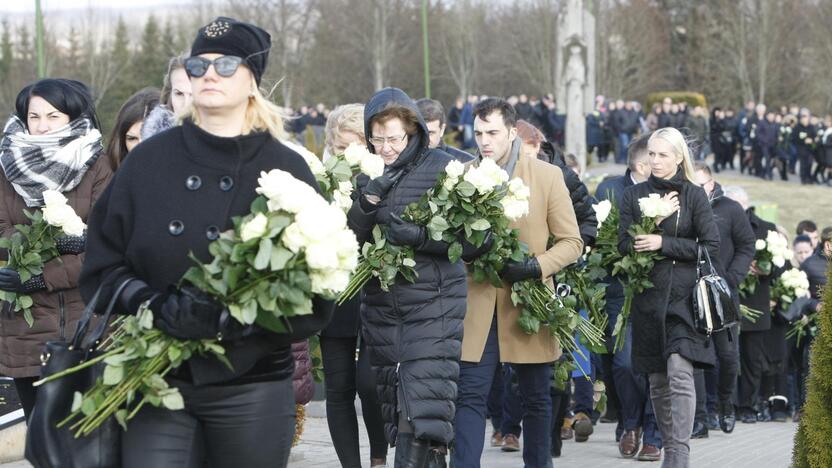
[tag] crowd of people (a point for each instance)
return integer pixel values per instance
(431, 360)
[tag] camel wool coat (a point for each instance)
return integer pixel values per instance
(550, 212)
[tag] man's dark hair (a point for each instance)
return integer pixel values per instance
(637, 150)
(431, 110)
(702, 166)
(486, 107)
(806, 226)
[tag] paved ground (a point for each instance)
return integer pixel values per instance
(761, 445)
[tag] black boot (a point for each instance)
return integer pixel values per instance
(727, 417)
(411, 452)
(700, 430)
(436, 458)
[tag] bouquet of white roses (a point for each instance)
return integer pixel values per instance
(461, 204)
(793, 283)
(291, 246)
(336, 175)
(773, 251)
(31, 246)
(638, 265)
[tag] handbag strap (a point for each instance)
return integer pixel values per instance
(87, 343)
(700, 249)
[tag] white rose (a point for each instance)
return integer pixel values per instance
(53, 197)
(760, 244)
(75, 227)
(493, 172)
(330, 282)
(355, 153)
(454, 169)
(341, 200)
(372, 165)
(293, 238)
(285, 192)
(58, 214)
(450, 183)
(322, 256)
(800, 292)
(480, 180)
(602, 210)
(514, 209)
(519, 189)
(254, 228)
(346, 244)
(319, 221)
(778, 261)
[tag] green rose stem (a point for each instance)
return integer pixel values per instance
(362, 274)
(620, 330)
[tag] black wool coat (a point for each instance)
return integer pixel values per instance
(414, 330)
(760, 299)
(736, 240)
(662, 316)
(172, 196)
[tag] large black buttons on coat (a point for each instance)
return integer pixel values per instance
(212, 232)
(193, 182)
(226, 183)
(176, 227)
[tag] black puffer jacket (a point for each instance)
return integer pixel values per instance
(736, 240)
(413, 331)
(582, 201)
(662, 316)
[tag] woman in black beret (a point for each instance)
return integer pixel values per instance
(174, 195)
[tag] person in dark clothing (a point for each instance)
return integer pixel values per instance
(626, 125)
(434, 116)
(595, 134)
(343, 373)
(455, 120)
(719, 144)
(414, 330)
(242, 414)
(523, 108)
(764, 141)
(752, 334)
(664, 118)
(736, 251)
(534, 143)
(636, 417)
(803, 138)
(666, 344)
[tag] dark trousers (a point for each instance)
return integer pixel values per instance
(752, 364)
(26, 392)
(633, 389)
(495, 401)
(344, 377)
(621, 152)
(804, 155)
(475, 380)
(512, 402)
(727, 350)
(249, 425)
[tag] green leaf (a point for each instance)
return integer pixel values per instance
(173, 401)
(88, 406)
(113, 375)
(259, 205)
(480, 225)
(454, 252)
(77, 399)
(250, 312)
(121, 418)
(279, 258)
(264, 254)
(465, 188)
(437, 224)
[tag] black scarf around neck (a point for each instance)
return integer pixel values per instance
(675, 183)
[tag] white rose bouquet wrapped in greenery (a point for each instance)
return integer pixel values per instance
(773, 251)
(32, 245)
(293, 245)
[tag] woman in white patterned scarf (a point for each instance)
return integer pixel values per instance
(51, 142)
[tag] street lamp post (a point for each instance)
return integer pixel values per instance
(39, 40)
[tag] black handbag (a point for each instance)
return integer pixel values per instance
(713, 307)
(50, 447)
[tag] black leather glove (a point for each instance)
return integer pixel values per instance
(375, 190)
(71, 245)
(470, 252)
(10, 281)
(519, 271)
(188, 314)
(400, 232)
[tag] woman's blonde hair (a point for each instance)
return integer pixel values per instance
(345, 118)
(261, 115)
(680, 148)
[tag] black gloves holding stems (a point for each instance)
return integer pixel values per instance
(375, 190)
(10, 281)
(514, 272)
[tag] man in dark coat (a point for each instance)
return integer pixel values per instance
(626, 124)
(736, 251)
(636, 415)
(434, 116)
(752, 334)
(523, 108)
(414, 330)
(595, 134)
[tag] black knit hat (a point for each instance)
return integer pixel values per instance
(232, 37)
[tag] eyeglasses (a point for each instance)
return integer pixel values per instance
(225, 66)
(393, 140)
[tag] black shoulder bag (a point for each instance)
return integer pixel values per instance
(713, 308)
(50, 447)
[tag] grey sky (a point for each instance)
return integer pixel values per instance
(28, 6)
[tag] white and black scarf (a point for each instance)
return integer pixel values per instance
(55, 161)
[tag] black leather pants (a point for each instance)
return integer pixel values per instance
(250, 425)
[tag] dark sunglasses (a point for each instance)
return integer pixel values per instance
(225, 66)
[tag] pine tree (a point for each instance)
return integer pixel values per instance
(813, 446)
(6, 55)
(151, 58)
